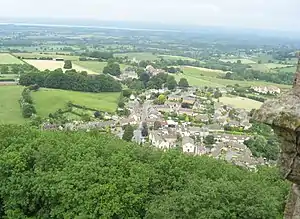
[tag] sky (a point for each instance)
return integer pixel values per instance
(265, 14)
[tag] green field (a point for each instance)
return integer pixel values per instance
(244, 61)
(241, 102)
(197, 71)
(138, 56)
(48, 101)
(96, 66)
(288, 69)
(52, 55)
(268, 67)
(10, 112)
(176, 57)
(6, 59)
(202, 81)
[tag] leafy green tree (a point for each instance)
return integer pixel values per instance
(28, 110)
(112, 69)
(67, 174)
(128, 133)
(4, 69)
(183, 82)
(209, 140)
(144, 77)
(171, 82)
(68, 64)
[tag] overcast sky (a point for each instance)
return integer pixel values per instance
(275, 14)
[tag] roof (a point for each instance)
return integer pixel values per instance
(187, 140)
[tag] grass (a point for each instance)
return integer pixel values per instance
(197, 71)
(95, 66)
(201, 81)
(48, 101)
(52, 65)
(139, 55)
(10, 112)
(52, 55)
(288, 69)
(170, 57)
(241, 102)
(6, 58)
(244, 61)
(268, 67)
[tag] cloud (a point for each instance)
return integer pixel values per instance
(255, 13)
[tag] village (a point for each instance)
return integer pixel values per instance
(192, 120)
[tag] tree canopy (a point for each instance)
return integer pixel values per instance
(71, 80)
(93, 175)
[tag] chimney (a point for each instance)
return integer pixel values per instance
(297, 74)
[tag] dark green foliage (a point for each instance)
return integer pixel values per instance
(144, 77)
(71, 80)
(127, 93)
(92, 175)
(157, 81)
(183, 82)
(112, 69)
(98, 55)
(209, 140)
(26, 104)
(128, 133)
(68, 64)
(264, 143)
(171, 82)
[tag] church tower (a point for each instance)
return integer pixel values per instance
(297, 74)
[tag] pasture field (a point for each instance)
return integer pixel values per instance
(138, 55)
(170, 57)
(10, 111)
(197, 71)
(244, 61)
(8, 59)
(268, 66)
(288, 69)
(48, 101)
(241, 102)
(52, 65)
(43, 55)
(201, 81)
(95, 66)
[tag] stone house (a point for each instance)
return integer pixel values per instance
(266, 89)
(188, 112)
(188, 145)
(202, 118)
(175, 98)
(189, 100)
(158, 141)
(231, 138)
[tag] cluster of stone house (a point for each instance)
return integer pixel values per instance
(266, 89)
(153, 71)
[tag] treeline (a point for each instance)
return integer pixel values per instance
(48, 174)
(71, 80)
(156, 82)
(97, 55)
(252, 75)
(26, 103)
(16, 68)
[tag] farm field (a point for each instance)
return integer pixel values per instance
(95, 66)
(10, 111)
(241, 102)
(48, 101)
(6, 58)
(288, 69)
(197, 71)
(170, 57)
(244, 61)
(268, 66)
(202, 81)
(52, 65)
(139, 56)
(52, 55)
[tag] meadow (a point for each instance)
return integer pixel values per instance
(8, 59)
(48, 101)
(95, 66)
(201, 81)
(197, 71)
(170, 57)
(138, 55)
(10, 112)
(241, 102)
(268, 67)
(52, 65)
